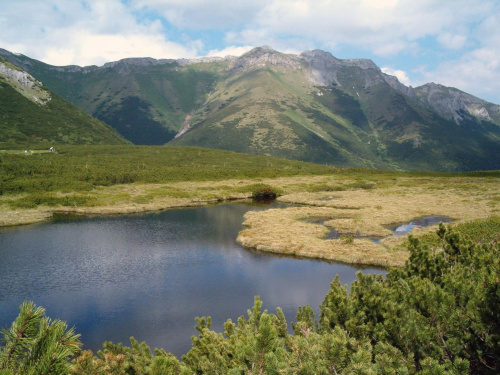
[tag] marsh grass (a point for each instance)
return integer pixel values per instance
(479, 231)
(369, 213)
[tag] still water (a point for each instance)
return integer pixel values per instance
(149, 276)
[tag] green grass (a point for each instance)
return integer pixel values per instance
(81, 168)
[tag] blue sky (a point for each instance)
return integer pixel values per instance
(452, 42)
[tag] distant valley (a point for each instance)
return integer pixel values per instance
(311, 107)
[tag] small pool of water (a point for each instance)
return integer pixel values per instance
(422, 222)
(398, 230)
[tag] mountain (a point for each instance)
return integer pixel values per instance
(311, 107)
(144, 99)
(345, 112)
(30, 113)
(457, 105)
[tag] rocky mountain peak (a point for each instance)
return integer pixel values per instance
(318, 59)
(456, 105)
(324, 68)
(264, 56)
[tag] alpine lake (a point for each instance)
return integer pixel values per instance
(150, 275)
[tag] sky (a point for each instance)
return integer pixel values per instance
(452, 42)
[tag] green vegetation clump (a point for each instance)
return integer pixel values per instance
(264, 194)
(51, 200)
(438, 314)
(36, 344)
(347, 238)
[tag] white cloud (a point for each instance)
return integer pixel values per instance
(383, 27)
(98, 49)
(401, 75)
(452, 41)
(230, 51)
(203, 14)
(61, 32)
(476, 70)
(477, 73)
(87, 33)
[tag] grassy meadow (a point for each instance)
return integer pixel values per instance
(359, 204)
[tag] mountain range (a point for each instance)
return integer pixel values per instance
(311, 107)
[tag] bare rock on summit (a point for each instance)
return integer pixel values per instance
(263, 56)
(456, 105)
(24, 83)
(325, 70)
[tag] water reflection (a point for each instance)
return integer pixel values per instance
(149, 276)
(421, 222)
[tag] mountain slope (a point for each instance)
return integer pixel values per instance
(265, 107)
(30, 114)
(144, 99)
(345, 112)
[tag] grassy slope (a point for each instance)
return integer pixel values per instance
(22, 122)
(81, 168)
(146, 104)
(145, 108)
(275, 112)
(412, 137)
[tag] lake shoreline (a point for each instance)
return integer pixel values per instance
(22, 217)
(356, 210)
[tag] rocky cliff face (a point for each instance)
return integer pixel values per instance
(261, 57)
(325, 70)
(24, 83)
(457, 105)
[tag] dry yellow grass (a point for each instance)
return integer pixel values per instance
(9, 217)
(286, 231)
(366, 212)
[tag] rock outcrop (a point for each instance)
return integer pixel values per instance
(456, 105)
(24, 83)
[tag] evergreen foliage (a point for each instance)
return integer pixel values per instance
(81, 168)
(439, 314)
(35, 344)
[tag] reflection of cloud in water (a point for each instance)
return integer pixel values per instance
(149, 276)
(422, 222)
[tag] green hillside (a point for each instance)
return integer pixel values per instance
(267, 111)
(359, 121)
(145, 102)
(50, 120)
